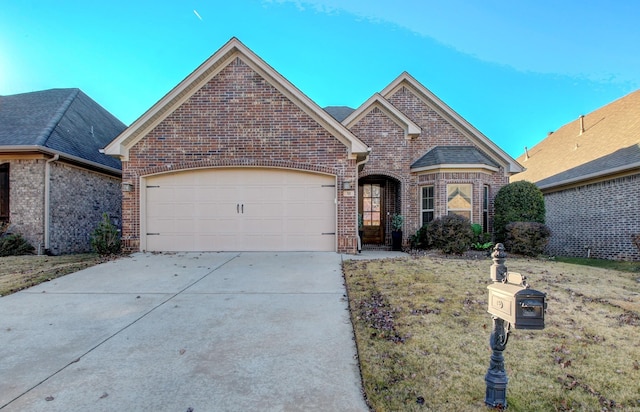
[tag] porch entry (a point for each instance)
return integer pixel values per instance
(372, 213)
(378, 200)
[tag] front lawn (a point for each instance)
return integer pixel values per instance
(422, 332)
(21, 272)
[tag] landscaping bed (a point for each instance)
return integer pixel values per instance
(422, 332)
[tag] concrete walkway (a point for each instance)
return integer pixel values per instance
(183, 332)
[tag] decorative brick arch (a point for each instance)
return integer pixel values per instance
(217, 163)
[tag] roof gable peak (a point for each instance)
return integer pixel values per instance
(405, 80)
(225, 56)
(378, 101)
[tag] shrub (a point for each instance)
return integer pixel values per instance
(520, 201)
(420, 240)
(527, 238)
(14, 245)
(105, 239)
(451, 234)
(481, 241)
(396, 222)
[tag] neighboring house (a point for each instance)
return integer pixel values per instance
(54, 182)
(235, 157)
(589, 173)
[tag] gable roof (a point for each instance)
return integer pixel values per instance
(377, 101)
(511, 166)
(66, 122)
(339, 112)
(603, 142)
(454, 156)
(209, 69)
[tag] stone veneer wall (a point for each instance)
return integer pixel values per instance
(78, 199)
(26, 200)
(598, 218)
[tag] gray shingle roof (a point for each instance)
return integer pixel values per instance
(459, 155)
(63, 120)
(339, 112)
(613, 161)
(607, 138)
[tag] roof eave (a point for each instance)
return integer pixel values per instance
(590, 176)
(411, 129)
(52, 152)
(120, 146)
(512, 166)
(455, 166)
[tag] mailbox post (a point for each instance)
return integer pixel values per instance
(511, 304)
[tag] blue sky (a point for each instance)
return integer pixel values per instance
(514, 69)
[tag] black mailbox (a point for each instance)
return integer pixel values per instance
(522, 307)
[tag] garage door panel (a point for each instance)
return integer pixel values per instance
(239, 209)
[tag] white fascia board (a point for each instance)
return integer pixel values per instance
(455, 166)
(203, 74)
(63, 156)
(377, 100)
(462, 125)
(595, 175)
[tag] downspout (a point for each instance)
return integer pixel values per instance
(365, 160)
(47, 201)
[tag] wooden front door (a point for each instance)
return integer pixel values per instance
(371, 207)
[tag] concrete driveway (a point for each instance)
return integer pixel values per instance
(183, 332)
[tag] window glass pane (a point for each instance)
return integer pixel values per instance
(459, 197)
(375, 205)
(375, 219)
(366, 204)
(427, 204)
(366, 191)
(375, 190)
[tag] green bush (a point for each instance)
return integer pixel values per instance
(527, 238)
(105, 239)
(520, 201)
(14, 245)
(419, 240)
(451, 234)
(481, 240)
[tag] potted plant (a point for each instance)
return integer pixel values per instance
(360, 226)
(396, 231)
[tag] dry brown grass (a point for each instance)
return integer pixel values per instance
(422, 333)
(21, 272)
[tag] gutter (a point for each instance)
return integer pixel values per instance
(62, 155)
(602, 174)
(47, 200)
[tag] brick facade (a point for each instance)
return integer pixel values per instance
(393, 154)
(26, 199)
(235, 111)
(596, 219)
(239, 119)
(77, 199)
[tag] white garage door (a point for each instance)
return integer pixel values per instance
(240, 209)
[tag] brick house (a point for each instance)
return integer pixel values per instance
(235, 157)
(54, 182)
(589, 173)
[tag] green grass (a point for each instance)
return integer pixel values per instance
(602, 263)
(422, 334)
(21, 272)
